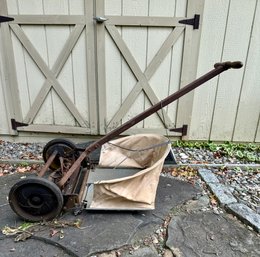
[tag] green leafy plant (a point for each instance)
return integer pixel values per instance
(244, 152)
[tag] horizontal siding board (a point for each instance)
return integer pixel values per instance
(142, 21)
(48, 19)
(160, 131)
(54, 129)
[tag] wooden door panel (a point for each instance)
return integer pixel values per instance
(143, 50)
(54, 61)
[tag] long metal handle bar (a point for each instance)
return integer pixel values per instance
(218, 68)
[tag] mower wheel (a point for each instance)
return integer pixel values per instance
(64, 148)
(36, 199)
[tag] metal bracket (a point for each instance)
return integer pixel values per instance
(183, 130)
(5, 19)
(195, 22)
(16, 124)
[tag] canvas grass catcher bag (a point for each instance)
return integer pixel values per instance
(146, 153)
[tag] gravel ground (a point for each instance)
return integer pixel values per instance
(244, 183)
(185, 155)
(20, 151)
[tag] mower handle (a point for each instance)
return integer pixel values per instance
(218, 68)
(229, 65)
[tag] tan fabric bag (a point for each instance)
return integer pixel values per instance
(148, 152)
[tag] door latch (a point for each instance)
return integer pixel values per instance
(100, 19)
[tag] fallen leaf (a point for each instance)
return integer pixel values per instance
(21, 169)
(53, 232)
(213, 201)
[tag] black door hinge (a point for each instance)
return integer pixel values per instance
(195, 22)
(16, 124)
(5, 19)
(183, 130)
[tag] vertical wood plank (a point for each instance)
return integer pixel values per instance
(159, 82)
(10, 89)
(79, 65)
(3, 112)
(101, 71)
(113, 63)
(176, 60)
(181, 8)
(3, 106)
(51, 74)
(113, 7)
(91, 67)
(249, 103)
(136, 40)
(257, 137)
(77, 7)
(189, 64)
(30, 77)
(212, 38)
(235, 47)
(12, 7)
(62, 115)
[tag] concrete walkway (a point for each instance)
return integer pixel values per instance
(177, 227)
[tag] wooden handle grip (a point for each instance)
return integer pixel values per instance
(229, 65)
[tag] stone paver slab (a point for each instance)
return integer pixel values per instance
(245, 214)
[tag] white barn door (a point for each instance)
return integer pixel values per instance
(146, 51)
(50, 61)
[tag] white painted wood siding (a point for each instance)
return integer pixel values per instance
(228, 107)
(54, 65)
(4, 127)
(225, 108)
